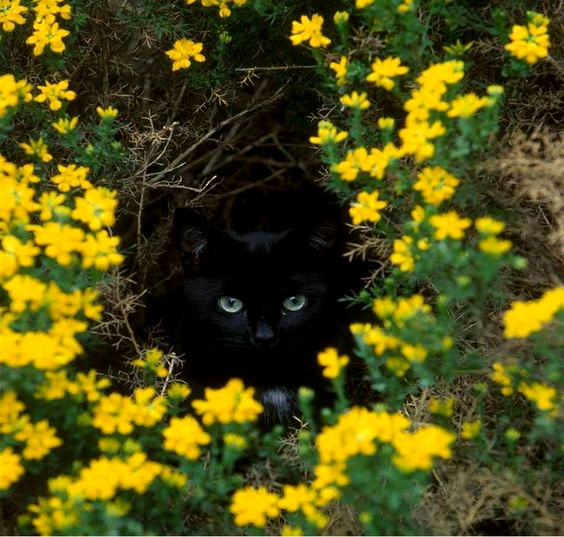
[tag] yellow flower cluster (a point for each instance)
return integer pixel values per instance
(489, 227)
(117, 413)
(254, 506)
(102, 479)
(525, 318)
(182, 52)
(340, 68)
(327, 134)
(223, 5)
(367, 208)
(46, 30)
(384, 71)
(332, 362)
(39, 437)
(11, 14)
(309, 30)
(152, 363)
(401, 355)
(356, 100)
(449, 225)
(406, 252)
(232, 403)
(373, 162)
(509, 375)
(12, 91)
(55, 93)
(10, 468)
(184, 436)
(358, 431)
(531, 42)
(87, 386)
(435, 184)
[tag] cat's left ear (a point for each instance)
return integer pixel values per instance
(192, 234)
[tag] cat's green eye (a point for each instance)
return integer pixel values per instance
(294, 303)
(230, 304)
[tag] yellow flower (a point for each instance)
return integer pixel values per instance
(11, 14)
(114, 413)
(95, 208)
(467, 105)
(438, 75)
(233, 403)
(402, 255)
(530, 42)
(46, 32)
(489, 226)
(184, 436)
(14, 254)
(25, 291)
(442, 408)
(405, 6)
(327, 134)
(449, 225)
(100, 251)
(332, 362)
(386, 123)
(10, 410)
(10, 468)
(12, 92)
(340, 69)
(367, 208)
(415, 138)
(183, 51)
(415, 451)
(235, 440)
(361, 4)
(55, 93)
(470, 429)
(107, 113)
(40, 439)
(37, 148)
(51, 204)
(494, 246)
(288, 531)
(149, 409)
(64, 125)
(340, 17)
(53, 515)
(177, 390)
(327, 475)
(435, 184)
(413, 353)
(254, 506)
(71, 176)
(59, 240)
(542, 395)
(355, 433)
(384, 71)
(524, 318)
(356, 100)
(45, 8)
(309, 29)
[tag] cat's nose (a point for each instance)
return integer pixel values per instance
(264, 334)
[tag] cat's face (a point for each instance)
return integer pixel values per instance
(255, 302)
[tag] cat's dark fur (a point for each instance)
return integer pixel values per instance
(265, 344)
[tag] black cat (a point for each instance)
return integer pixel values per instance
(257, 305)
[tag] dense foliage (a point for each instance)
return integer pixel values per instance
(414, 103)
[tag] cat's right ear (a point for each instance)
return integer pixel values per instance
(191, 233)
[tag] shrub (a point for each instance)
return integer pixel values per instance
(462, 353)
